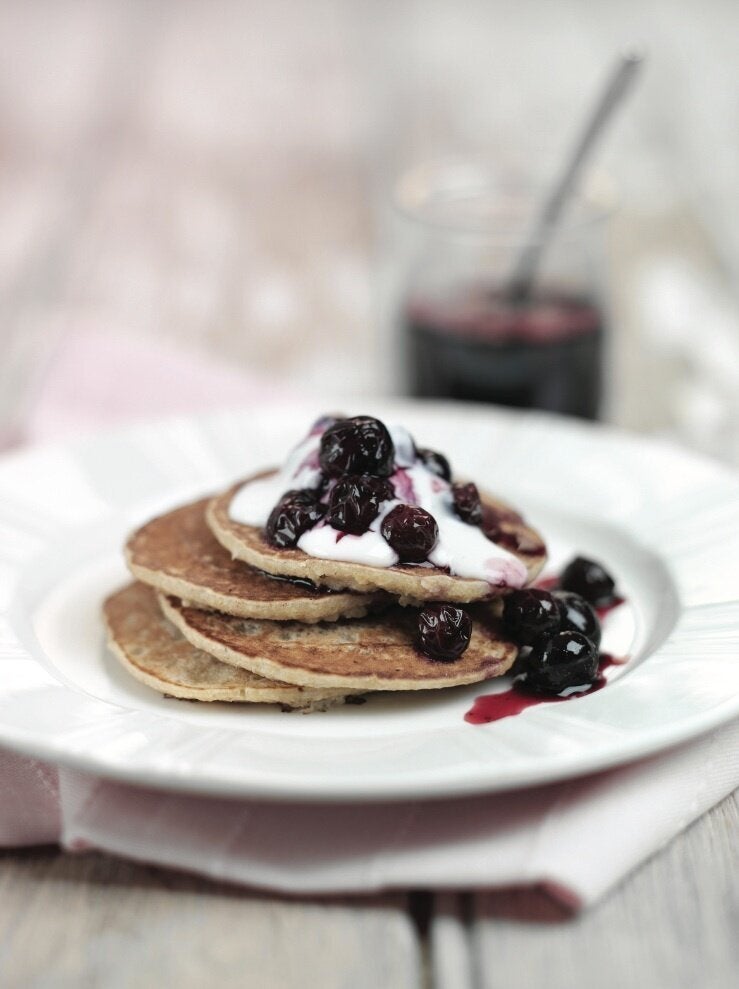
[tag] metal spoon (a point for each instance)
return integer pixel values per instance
(618, 84)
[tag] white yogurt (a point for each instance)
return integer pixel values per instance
(253, 502)
(463, 548)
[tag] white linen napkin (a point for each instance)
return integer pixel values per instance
(575, 839)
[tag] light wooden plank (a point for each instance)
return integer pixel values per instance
(673, 924)
(95, 921)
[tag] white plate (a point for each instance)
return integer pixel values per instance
(664, 522)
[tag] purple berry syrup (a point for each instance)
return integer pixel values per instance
(493, 707)
(546, 353)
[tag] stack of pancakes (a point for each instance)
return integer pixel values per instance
(217, 614)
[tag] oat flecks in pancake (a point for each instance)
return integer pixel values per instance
(177, 553)
(375, 653)
(419, 583)
(154, 652)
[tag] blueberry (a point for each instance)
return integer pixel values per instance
(576, 615)
(361, 445)
(355, 503)
(590, 580)
(412, 532)
(467, 503)
(437, 463)
(530, 615)
(444, 632)
(295, 513)
(567, 659)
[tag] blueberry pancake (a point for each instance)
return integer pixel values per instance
(359, 505)
(155, 653)
(341, 572)
(380, 652)
(177, 553)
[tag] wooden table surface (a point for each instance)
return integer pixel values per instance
(90, 920)
(206, 173)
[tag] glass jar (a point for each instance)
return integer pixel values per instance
(463, 336)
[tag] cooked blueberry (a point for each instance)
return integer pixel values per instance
(437, 463)
(444, 632)
(411, 532)
(530, 615)
(355, 502)
(467, 503)
(590, 580)
(361, 445)
(567, 659)
(294, 514)
(576, 615)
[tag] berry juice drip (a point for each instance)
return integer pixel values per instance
(546, 354)
(494, 707)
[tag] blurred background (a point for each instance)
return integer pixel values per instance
(201, 190)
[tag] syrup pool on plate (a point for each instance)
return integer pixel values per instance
(493, 707)
(517, 698)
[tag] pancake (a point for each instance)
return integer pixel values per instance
(178, 554)
(374, 653)
(153, 651)
(412, 583)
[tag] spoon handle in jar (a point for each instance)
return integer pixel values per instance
(618, 84)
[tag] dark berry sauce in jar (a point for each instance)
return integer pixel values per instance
(475, 345)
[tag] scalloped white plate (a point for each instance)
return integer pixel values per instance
(664, 522)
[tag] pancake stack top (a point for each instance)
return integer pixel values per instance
(343, 572)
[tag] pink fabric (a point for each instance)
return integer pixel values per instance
(30, 813)
(96, 379)
(577, 839)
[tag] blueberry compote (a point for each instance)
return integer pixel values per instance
(436, 462)
(567, 659)
(363, 494)
(559, 633)
(590, 580)
(577, 615)
(477, 346)
(360, 445)
(411, 531)
(444, 632)
(530, 615)
(494, 707)
(294, 514)
(354, 503)
(467, 504)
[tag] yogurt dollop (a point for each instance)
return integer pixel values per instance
(464, 549)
